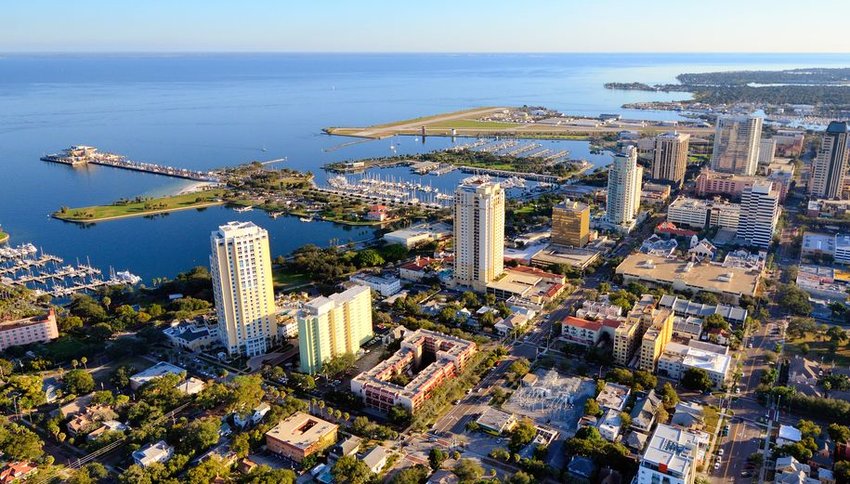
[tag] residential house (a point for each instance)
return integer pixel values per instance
(159, 452)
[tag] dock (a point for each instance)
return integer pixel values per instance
(81, 155)
(507, 174)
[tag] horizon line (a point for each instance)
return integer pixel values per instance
(410, 52)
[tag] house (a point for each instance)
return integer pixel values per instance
(419, 268)
(395, 334)
(788, 435)
(790, 471)
(349, 446)
(378, 213)
(16, 472)
(52, 388)
(609, 426)
(90, 419)
(192, 335)
(158, 370)
(376, 459)
(636, 441)
(586, 421)
(106, 426)
(513, 322)
(643, 412)
(256, 416)
(443, 477)
(581, 466)
(689, 415)
(719, 336)
(191, 386)
(613, 396)
(159, 452)
(703, 250)
(75, 407)
(246, 465)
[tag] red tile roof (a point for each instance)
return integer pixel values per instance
(611, 323)
(554, 290)
(581, 323)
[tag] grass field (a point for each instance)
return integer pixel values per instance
(472, 124)
(285, 280)
(3, 236)
(151, 206)
(819, 348)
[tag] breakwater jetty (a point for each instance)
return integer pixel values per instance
(81, 155)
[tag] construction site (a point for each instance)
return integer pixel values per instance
(550, 398)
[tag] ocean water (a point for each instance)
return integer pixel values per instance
(207, 111)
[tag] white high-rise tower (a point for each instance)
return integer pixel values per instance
(479, 233)
(625, 179)
(736, 145)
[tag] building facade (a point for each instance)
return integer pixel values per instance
(736, 145)
(660, 333)
(571, 223)
(767, 151)
(671, 157)
(334, 325)
(759, 215)
(37, 329)
(625, 179)
(301, 435)
(479, 234)
(241, 270)
(829, 168)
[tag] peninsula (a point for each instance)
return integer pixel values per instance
(141, 206)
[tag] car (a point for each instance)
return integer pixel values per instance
(746, 474)
(720, 452)
(750, 346)
(717, 466)
(719, 460)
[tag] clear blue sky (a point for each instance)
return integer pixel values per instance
(425, 25)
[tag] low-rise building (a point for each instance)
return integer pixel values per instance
(349, 446)
(671, 456)
(823, 282)
(386, 285)
(610, 425)
(730, 282)
(376, 459)
(514, 322)
(159, 452)
(497, 421)
(158, 370)
(677, 358)
(301, 435)
(419, 268)
(599, 310)
(587, 333)
(530, 285)
(419, 234)
(192, 335)
(378, 213)
(788, 435)
(448, 356)
(35, 329)
(688, 415)
(16, 472)
(735, 315)
(644, 410)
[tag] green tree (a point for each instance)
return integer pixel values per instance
(522, 434)
(809, 429)
(26, 390)
(264, 474)
(352, 470)
(411, 475)
(207, 471)
(246, 392)
(468, 470)
(121, 376)
(696, 379)
(592, 408)
(197, 435)
(669, 397)
(369, 258)
(436, 457)
(399, 415)
(715, 320)
(18, 442)
(841, 469)
(500, 453)
(520, 477)
(838, 433)
(794, 299)
(78, 382)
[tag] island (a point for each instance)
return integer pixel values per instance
(4, 236)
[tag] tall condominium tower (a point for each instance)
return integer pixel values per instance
(736, 145)
(479, 233)
(571, 223)
(242, 284)
(671, 157)
(625, 179)
(829, 169)
(334, 325)
(759, 214)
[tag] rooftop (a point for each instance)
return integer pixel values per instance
(160, 369)
(671, 448)
(301, 430)
(698, 358)
(706, 276)
(613, 396)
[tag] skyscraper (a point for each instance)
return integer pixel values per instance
(671, 157)
(570, 223)
(334, 325)
(625, 179)
(759, 214)
(242, 285)
(736, 145)
(479, 233)
(829, 168)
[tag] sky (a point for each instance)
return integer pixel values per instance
(424, 26)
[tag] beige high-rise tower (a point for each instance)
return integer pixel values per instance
(334, 325)
(829, 169)
(242, 285)
(570, 223)
(671, 157)
(479, 233)
(736, 145)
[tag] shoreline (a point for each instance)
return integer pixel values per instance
(193, 187)
(139, 214)
(4, 237)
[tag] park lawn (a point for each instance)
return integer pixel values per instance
(712, 418)
(819, 348)
(421, 119)
(154, 205)
(285, 280)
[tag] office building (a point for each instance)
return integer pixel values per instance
(736, 145)
(677, 358)
(699, 214)
(300, 436)
(759, 215)
(479, 233)
(36, 329)
(570, 223)
(671, 157)
(241, 270)
(659, 333)
(627, 336)
(713, 183)
(829, 168)
(625, 178)
(334, 325)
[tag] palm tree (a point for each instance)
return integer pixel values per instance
(75, 364)
(84, 360)
(346, 416)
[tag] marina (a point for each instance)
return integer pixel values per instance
(81, 155)
(27, 266)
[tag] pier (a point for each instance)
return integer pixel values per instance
(80, 155)
(506, 173)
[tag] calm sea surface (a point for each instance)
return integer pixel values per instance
(207, 111)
